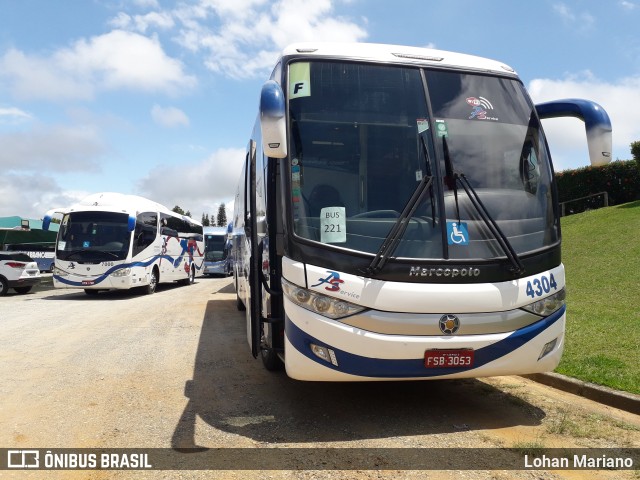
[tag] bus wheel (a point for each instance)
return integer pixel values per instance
(270, 358)
(22, 290)
(239, 305)
(153, 283)
(4, 285)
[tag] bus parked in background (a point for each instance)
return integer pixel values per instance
(397, 217)
(41, 253)
(116, 241)
(216, 251)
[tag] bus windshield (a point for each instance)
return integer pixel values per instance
(93, 237)
(214, 247)
(364, 137)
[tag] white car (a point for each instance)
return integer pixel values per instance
(18, 271)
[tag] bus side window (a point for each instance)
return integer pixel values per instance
(145, 232)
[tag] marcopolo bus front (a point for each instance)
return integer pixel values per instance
(345, 327)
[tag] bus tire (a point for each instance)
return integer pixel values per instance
(270, 358)
(23, 290)
(239, 305)
(153, 282)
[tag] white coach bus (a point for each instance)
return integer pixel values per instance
(116, 241)
(397, 217)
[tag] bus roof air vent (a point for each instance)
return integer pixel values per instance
(418, 57)
(306, 50)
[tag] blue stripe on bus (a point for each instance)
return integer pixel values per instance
(413, 367)
(177, 261)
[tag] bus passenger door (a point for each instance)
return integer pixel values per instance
(254, 308)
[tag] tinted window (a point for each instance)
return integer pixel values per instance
(146, 231)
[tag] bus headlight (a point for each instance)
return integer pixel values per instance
(547, 306)
(123, 272)
(319, 303)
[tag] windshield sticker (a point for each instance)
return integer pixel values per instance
(333, 226)
(457, 233)
(86, 244)
(480, 107)
(423, 125)
(299, 80)
(441, 128)
(62, 245)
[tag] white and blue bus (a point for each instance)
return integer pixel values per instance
(115, 241)
(397, 217)
(216, 251)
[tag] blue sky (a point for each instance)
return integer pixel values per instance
(158, 98)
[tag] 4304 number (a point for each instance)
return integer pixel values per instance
(538, 286)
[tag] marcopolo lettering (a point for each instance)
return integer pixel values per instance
(444, 272)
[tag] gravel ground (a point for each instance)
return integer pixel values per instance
(173, 370)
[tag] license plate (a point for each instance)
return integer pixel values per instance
(88, 283)
(448, 358)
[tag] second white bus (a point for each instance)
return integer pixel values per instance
(115, 241)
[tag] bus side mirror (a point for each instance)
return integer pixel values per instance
(595, 118)
(273, 123)
(131, 224)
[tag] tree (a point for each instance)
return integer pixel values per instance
(635, 151)
(205, 220)
(222, 215)
(178, 210)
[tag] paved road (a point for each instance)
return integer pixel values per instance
(173, 370)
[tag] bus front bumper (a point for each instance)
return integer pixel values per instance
(358, 355)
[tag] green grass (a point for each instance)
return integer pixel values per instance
(601, 254)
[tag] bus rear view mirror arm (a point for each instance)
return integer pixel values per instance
(596, 119)
(273, 122)
(49, 216)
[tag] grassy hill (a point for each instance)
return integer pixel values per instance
(601, 254)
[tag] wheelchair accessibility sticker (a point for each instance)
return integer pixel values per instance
(457, 233)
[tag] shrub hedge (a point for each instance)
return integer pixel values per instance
(620, 179)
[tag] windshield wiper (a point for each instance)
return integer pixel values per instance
(427, 158)
(454, 176)
(393, 238)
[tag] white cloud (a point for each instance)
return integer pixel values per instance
(242, 39)
(115, 60)
(146, 3)
(567, 138)
(13, 115)
(628, 5)
(142, 23)
(200, 187)
(169, 116)
(582, 21)
(57, 148)
(31, 195)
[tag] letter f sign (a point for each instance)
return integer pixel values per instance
(297, 87)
